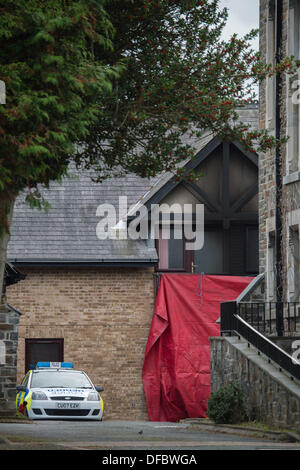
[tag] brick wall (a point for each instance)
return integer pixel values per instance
(104, 316)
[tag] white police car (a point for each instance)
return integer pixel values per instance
(54, 390)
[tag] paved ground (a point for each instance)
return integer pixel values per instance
(124, 435)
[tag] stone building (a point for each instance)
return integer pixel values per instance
(261, 328)
(279, 174)
(90, 301)
(9, 323)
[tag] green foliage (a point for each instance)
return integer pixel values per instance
(226, 405)
(53, 88)
(181, 79)
(115, 85)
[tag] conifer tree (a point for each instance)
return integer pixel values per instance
(114, 85)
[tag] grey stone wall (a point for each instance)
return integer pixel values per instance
(270, 398)
(9, 321)
(265, 160)
(290, 200)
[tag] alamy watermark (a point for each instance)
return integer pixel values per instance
(160, 221)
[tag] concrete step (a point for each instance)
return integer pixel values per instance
(262, 361)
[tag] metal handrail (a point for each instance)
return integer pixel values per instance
(263, 316)
(257, 281)
(231, 322)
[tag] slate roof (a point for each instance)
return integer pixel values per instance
(67, 233)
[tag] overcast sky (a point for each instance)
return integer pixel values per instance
(243, 15)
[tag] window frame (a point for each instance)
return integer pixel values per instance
(293, 262)
(292, 87)
(171, 270)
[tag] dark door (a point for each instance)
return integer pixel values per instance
(40, 350)
(209, 259)
(231, 252)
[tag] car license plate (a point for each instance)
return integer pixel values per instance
(65, 406)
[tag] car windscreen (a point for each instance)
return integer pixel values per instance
(54, 379)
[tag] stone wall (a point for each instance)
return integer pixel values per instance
(9, 321)
(290, 201)
(266, 163)
(271, 397)
(103, 315)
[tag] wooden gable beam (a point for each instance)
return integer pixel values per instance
(244, 198)
(196, 191)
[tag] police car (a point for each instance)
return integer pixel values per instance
(54, 390)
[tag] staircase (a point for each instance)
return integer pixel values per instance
(272, 394)
(259, 349)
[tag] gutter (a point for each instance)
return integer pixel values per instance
(101, 262)
(278, 215)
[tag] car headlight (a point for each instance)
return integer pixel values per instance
(93, 396)
(39, 396)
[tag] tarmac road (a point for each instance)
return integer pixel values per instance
(125, 435)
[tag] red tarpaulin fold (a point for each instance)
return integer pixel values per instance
(176, 371)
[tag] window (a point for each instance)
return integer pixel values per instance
(174, 257)
(293, 124)
(293, 86)
(294, 264)
(294, 28)
(229, 252)
(271, 266)
(45, 379)
(25, 380)
(39, 350)
(171, 252)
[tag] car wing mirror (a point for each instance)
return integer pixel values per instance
(99, 388)
(21, 388)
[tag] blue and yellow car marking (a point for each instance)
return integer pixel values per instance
(101, 403)
(23, 399)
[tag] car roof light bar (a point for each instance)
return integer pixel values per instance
(54, 365)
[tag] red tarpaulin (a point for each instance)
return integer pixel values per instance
(176, 371)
